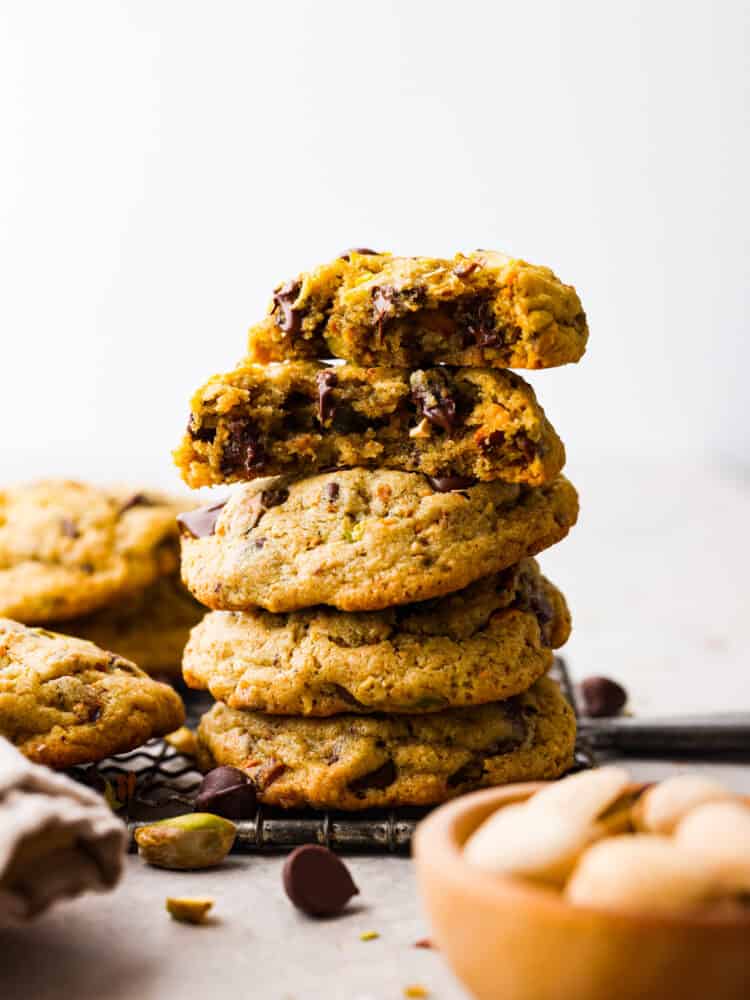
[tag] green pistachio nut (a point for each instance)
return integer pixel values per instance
(196, 840)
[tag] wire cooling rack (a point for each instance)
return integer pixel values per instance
(156, 781)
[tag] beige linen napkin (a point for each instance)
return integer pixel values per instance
(57, 838)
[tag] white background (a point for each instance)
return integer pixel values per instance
(163, 165)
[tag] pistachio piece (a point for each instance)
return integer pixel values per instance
(662, 806)
(196, 840)
(189, 910)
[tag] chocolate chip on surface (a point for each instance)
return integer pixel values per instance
(228, 792)
(326, 382)
(288, 318)
(202, 522)
(317, 881)
(602, 697)
(381, 777)
(449, 484)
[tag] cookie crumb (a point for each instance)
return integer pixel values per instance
(188, 910)
(368, 935)
(424, 943)
(416, 991)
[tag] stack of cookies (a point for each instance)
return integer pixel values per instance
(380, 631)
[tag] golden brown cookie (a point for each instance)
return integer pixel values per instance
(298, 418)
(64, 701)
(149, 627)
(485, 643)
(484, 309)
(68, 548)
(363, 540)
(361, 761)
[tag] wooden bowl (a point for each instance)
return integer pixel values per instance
(509, 940)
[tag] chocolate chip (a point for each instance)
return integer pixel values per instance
(243, 450)
(449, 484)
(532, 596)
(258, 543)
(332, 491)
(360, 250)
(94, 713)
(465, 268)
(228, 792)
(202, 522)
(68, 528)
(288, 319)
(198, 433)
(495, 439)
(602, 697)
(431, 393)
(317, 881)
(326, 382)
(381, 777)
(273, 498)
(468, 773)
(479, 321)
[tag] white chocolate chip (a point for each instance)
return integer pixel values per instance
(662, 806)
(719, 832)
(642, 871)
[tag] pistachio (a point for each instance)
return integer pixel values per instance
(196, 840)
(188, 910)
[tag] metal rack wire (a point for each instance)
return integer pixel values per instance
(156, 780)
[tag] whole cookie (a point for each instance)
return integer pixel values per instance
(64, 701)
(68, 548)
(364, 540)
(299, 418)
(485, 643)
(483, 309)
(149, 627)
(363, 761)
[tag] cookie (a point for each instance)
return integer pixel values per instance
(64, 701)
(485, 643)
(298, 418)
(361, 761)
(149, 627)
(485, 310)
(68, 548)
(363, 540)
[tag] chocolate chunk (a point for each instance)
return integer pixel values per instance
(326, 382)
(273, 498)
(228, 792)
(68, 528)
(431, 393)
(198, 433)
(532, 596)
(381, 777)
(288, 319)
(94, 713)
(517, 735)
(468, 773)
(361, 250)
(243, 450)
(448, 484)
(479, 321)
(602, 697)
(317, 881)
(202, 522)
(495, 439)
(332, 491)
